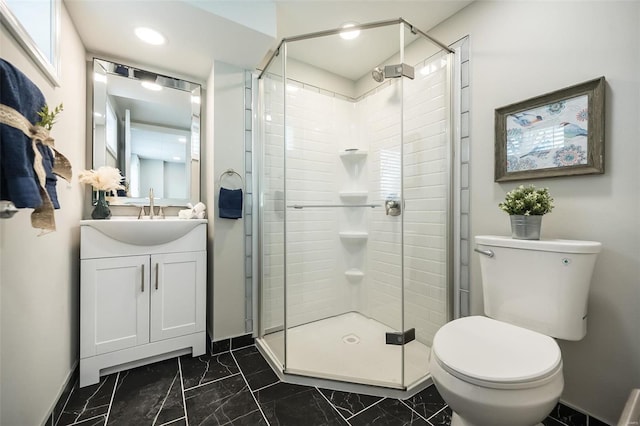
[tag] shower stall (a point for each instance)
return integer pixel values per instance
(354, 147)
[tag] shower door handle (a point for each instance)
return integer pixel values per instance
(392, 207)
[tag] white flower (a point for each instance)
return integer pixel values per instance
(104, 179)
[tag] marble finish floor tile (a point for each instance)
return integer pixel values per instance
(96, 421)
(148, 395)
(88, 402)
(550, 421)
(254, 367)
(286, 404)
(178, 422)
(426, 402)
(221, 346)
(64, 398)
(389, 412)
(226, 401)
(441, 418)
(349, 404)
(206, 368)
(242, 341)
(568, 416)
(238, 388)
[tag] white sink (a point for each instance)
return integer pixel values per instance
(143, 232)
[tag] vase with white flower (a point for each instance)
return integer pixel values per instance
(105, 179)
(526, 205)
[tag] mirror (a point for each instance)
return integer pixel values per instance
(148, 126)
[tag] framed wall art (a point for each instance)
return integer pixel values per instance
(555, 134)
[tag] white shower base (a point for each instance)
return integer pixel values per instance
(350, 347)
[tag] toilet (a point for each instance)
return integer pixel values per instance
(505, 368)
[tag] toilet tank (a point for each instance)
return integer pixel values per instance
(541, 285)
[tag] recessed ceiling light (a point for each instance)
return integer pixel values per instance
(150, 36)
(100, 78)
(151, 86)
(349, 35)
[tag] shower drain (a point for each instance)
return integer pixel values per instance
(351, 339)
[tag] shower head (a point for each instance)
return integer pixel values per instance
(378, 74)
(392, 71)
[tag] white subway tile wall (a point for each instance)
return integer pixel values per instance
(320, 126)
(426, 186)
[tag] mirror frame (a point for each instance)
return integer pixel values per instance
(195, 89)
(51, 68)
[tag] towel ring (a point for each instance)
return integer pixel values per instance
(231, 172)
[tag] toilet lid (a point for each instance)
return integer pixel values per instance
(491, 351)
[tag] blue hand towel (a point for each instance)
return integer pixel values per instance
(18, 181)
(230, 203)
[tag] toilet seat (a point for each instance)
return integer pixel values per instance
(495, 354)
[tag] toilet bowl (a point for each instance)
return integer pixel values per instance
(505, 368)
(492, 373)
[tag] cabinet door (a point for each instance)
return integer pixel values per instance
(114, 304)
(178, 294)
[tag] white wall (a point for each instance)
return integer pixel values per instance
(228, 234)
(152, 176)
(175, 175)
(39, 275)
(523, 49)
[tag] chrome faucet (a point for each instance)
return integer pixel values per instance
(151, 207)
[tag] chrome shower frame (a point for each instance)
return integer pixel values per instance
(377, 24)
(387, 71)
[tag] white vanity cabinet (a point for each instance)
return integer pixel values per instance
(140, 303)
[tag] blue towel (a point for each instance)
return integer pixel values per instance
(230, 203)
(18, 180)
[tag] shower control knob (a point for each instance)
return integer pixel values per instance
(392, 207)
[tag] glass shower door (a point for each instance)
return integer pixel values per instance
(343, 248)
(427, 151)
(272, 211)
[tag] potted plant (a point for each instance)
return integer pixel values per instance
(526, 205)
(105, 179)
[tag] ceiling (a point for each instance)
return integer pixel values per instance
(198, 33)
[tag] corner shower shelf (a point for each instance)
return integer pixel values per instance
(354, 274)
(351, 235)
(356, 154)
(350, 195)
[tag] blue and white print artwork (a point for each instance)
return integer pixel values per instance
(553, 135)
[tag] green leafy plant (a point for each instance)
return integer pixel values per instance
(48, 118)
(527, 201)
